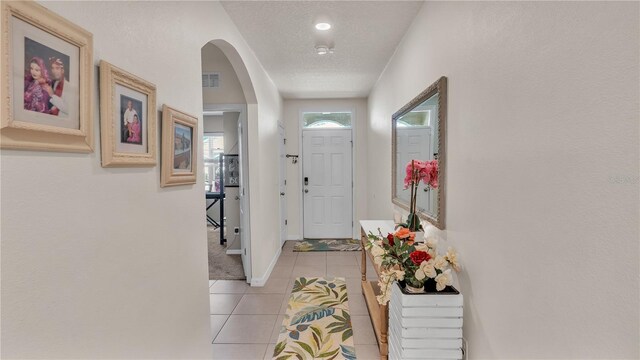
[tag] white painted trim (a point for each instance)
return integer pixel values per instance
(260, 281)
(234, 252)
(354, 120)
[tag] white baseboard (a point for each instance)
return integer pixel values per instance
(234, 252)
(294, 237)
(260, 281)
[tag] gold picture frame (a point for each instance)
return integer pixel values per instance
(127, 119)
(47, 81)
(179, 148)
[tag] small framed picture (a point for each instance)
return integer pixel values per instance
(231, 170)
(47, 79)
(179, 147)
(128, 118)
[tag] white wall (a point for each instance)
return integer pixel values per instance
(292, 111)
(230, 90)
(542, 172)
(212, 124)
(103, 263)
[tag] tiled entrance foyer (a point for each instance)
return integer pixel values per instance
(245, 321)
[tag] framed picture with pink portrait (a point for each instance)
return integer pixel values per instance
(48, 79)
(127, 118)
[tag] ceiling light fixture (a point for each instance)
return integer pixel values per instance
(323, 50)
(323, 26)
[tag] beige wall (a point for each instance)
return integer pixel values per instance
(103, 263)
(230, 90)
(542, 172)
(292, 110)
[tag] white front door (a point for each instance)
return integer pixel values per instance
(283, 183)
(327, 184)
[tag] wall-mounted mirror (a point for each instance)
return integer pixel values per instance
(418, 133)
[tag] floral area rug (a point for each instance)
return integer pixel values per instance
(327, 245)
(317, 324)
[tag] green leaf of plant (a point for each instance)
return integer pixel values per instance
(279, 347)
(312, 313)
(306, 347)
(347, 334)
(329, 353)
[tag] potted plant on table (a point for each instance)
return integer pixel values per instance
(417, 266)
(418, 171)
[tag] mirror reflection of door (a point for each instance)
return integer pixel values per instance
(413, 143)
(416, 139)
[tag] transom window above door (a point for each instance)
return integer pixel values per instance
(326, 120)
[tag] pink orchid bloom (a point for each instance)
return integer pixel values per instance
(425, 171)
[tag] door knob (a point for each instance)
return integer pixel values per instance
(281, 194)
(306, 190)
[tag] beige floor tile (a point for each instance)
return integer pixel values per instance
(239, 351)
(362, 330)
(354, 286)
(246, 329)
(259, 304)
(311, 261)
(367, 352)
(341, 259)
(275, 285)
(312, 254)
(357, 305)
(286, 259)
(283, 306)
(229, 287)
(309, 271)
(268, 355)
(217, 321)
(345, 271)
(223, 304)
(282, 271)
(276, 329)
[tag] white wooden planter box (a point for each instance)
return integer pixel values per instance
(425, 326)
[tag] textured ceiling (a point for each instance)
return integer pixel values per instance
(282, 35)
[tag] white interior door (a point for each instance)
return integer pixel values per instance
(327, 184)
(283, 186)
(245, 237)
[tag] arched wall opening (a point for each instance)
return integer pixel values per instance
(232, 103)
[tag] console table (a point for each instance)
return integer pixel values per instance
(379, 314)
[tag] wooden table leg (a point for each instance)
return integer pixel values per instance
(363, 265)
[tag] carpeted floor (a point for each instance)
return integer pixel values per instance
(221, 265)
(317, 324)
(327, 245)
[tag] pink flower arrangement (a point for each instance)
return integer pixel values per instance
(425, 171)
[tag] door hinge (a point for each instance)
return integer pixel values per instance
(285, 141)
(286, 222)
(285, 182)
(245, 251)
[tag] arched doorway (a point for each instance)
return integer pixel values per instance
(228, 93)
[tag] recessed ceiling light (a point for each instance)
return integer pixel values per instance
(323, 26)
